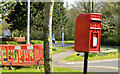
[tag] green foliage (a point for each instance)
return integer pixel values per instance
(6, 7)
(64, 18)
(110, 24)
(36, 42)
(54, 49)
(59, 17)
(110, 39)
(18, 19)
(12, 43)
(36, 35)
(18, 16)
(24, 42)
(109, 11)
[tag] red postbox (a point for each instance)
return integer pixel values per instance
(88, 32)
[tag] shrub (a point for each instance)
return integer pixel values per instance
(92, 54)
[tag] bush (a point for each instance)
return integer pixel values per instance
(24, 42)
(54, 49)
(36, 42)
(92, 54)
(110, 39)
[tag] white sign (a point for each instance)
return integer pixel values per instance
(94, 41)
(29, 47)
(6, 33)
(17, 47)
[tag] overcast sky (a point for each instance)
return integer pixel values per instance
(69, 2)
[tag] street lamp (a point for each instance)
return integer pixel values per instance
(0, 18)
(62, 37)
(28, 23)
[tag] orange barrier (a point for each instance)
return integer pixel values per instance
(22, 54)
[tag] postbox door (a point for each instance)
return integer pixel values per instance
(95, 35)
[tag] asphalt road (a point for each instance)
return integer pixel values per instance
(99, 66)
(60, 45)
(109, 65)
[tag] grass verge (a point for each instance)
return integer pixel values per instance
(68, 48)
(96, 57)
(57, 50)
(70, 42)
(33, 69)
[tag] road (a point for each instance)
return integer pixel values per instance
(60, 45)
(109, 65)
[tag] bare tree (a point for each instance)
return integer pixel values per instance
(47, 28)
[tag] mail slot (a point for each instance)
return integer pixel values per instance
(88, 32)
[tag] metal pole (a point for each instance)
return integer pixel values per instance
(62, 37)
(28, 23)
(0, 18)
(1, 21)
(0, 28)
(85, 62)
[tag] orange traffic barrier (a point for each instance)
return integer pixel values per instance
(22, 54)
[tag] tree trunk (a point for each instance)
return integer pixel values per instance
(12, 33)
(92, 6)
(20, 33)
(47, 28)
(89, 5)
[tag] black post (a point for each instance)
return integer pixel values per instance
(37, 65)
(85, 62)
(10, 68)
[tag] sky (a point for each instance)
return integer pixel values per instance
(72, 1)
(69, 2)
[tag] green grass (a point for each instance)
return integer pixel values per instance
(96, 57)
(71, 42)
(61, 69)
(71, 71)
(103, 48)
(56, 70)
(68, 48)
(33, 69)
(57, 50)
